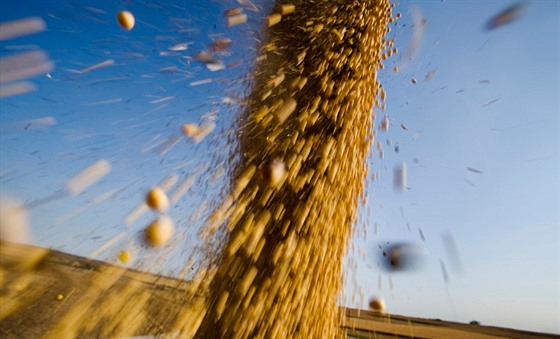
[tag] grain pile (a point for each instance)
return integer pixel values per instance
(283, 229)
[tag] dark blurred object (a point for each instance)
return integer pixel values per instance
(399, 175)
(452, 251)
(401, 256)
(506, 16)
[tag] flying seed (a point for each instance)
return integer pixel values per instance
(273, 172)
(284, 111)
(21, 27)
(235, 20)
(16, 89)
(14, 226)
(506, 16)
(273, 19)
(204, 57)
(159, 231)
(384, 126)
(220, 45)
(190, 130)
(126, 20)
(215, 66)
(124, 256)
(377, 305)
(287, 9)
(88, 177)
(234, 11)
(157, 200)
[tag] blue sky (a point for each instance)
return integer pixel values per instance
(504, 220)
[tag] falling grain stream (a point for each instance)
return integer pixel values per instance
(281, 269)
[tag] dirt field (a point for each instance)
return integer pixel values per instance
(38, 287)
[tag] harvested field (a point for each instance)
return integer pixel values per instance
(32, 278)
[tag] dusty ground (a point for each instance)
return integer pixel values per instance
(31, 280)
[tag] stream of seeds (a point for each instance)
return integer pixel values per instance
(281, 268)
